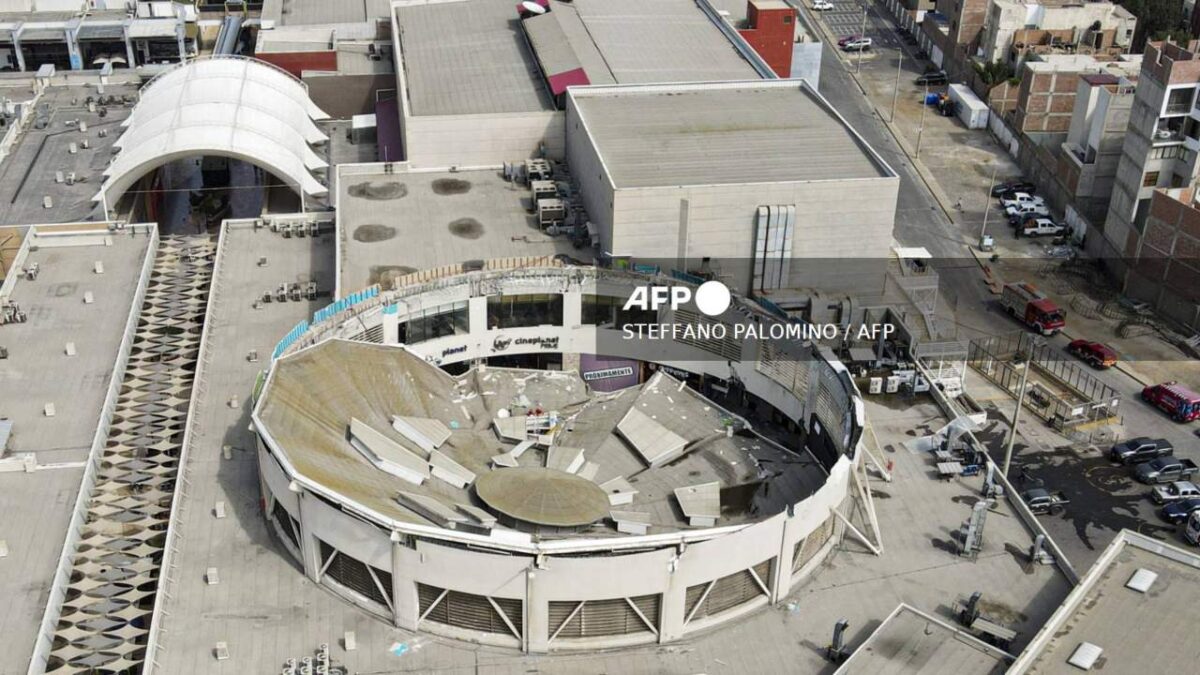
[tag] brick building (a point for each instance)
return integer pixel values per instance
(771, 30)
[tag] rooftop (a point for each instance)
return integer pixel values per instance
(719, 134)
(385, 223)
(642, 42)
(322, 12)
(466, 57)
(1103, 607)
(313, 396)
(28, 172)
(291, 615)
(911, 641)
(37, 504)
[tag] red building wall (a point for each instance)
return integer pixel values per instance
(771, 33)
(297, 62)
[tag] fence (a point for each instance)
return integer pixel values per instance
(1084, 399)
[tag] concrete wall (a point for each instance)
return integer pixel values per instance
(850, 219)
(482, 140)
(589, 175)
(343, 96)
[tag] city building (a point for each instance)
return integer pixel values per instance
(478, 86)
(1014, 30)
(1121, 616)
(33, 34)
(518, 508)
(909, 14)
(1160, 151)
(950, 33)
(1050, 85)
(1092, 151)
(1166, 269)
(682, 173)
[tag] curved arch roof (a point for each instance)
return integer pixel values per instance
(229, 106)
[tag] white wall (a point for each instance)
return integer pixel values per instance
(482, 140)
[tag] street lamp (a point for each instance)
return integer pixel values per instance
(1012, 432)
(988, 208)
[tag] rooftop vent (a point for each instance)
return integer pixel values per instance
(1142, 580)
(1085, 655)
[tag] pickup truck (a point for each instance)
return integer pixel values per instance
(1021, 199)
(1180, 489)
(1040, 227)
(1165, 470)
(1140, 449)
(1019, 212)
(1042, 502)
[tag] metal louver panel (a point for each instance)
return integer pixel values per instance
(728, 591)
(355, 575)
(614, 616)
(812, 543)
(727, 348)
(470, 611)
(287, 524)
(374, 334)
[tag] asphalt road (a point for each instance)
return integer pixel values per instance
(1104, 496)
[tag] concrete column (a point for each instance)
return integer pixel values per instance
(310, 552)
(670, 624)
(477, 316)
(391, 328)
(179, 40)
(405, 605)
(537, 615)
(781, 584)
(73, 53)
(132, 62)
(19, 54)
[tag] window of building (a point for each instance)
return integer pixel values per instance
(607, 311)
(787, 18)
(1150, 179)
(516, 311)
(435, 322)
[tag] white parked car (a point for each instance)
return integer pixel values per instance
(1021, 198)
(822, 5)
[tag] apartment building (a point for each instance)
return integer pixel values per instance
(1166, 272)
(1160, 151)
(1014, 30)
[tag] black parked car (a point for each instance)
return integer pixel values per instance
(933, 77)
(1008, 187)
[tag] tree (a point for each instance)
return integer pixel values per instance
(994, 73)
(1157, 20)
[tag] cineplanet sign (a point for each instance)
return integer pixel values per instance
(608, 374)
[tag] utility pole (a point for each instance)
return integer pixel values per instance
(862, 34)
(921, 131)
(988, 208)
(1012, 432)
(896, 91)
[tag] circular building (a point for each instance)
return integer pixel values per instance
(419, 458)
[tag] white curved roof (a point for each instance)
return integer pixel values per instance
(222, 106)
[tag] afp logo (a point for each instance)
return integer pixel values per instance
(712, 297)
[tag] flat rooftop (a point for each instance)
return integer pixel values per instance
(321, 12)
(394, 224)
(37, 505)
(1103, 611)
(314, 394)
(466, 57)
(749, 132)
(659, 41)
(911, 641)
(28, 173)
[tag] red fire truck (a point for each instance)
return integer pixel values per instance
(1181, 403)
(1032, 308)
